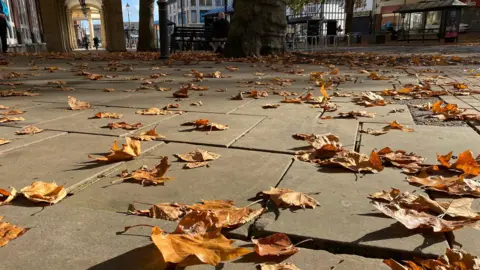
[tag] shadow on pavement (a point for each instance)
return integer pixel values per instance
(146, 258)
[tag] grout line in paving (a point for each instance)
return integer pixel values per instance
(285, 171)
(146, 127)
(84, 133)
(241, 106)
(59, 118)
(358, 138)
(261, 150)
(245, 132)
(28, 144)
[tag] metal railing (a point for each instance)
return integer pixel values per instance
(318, 43)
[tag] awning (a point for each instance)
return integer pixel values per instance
(430, 6)
(215, 11)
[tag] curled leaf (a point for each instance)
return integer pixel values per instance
(107, 115)
(274, 245)
(456, 185)
(401, 159)
(13, 112)
(124, 125)
(156, 111)
(396, 125)
(165, 211)
(198, 155)
(7, 196)
(129, 151)
(76, 104)
(11, 119)
(194, 165)
(155, 176)
(355, 114)
(288, 198)
(4, 141)
(453, 259)
(270, 106)
(9, 232)
(44, 192)
(29, 130)
(355, 162)
(149, 135)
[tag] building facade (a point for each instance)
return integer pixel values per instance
(193, 10)
(25, 33)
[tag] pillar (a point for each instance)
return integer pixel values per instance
(90, 27)
(102, 30)
(115, 33)
(71, 31)
(54, 25)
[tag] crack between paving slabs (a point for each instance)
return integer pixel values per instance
(245, 132)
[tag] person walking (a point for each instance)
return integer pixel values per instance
(220, 32)
(86, 43)
(3, 25)
(96, 42)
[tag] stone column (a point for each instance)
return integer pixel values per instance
(90, 28)
(114, 25)
(102, 30)
(53, 26)
(71, 31)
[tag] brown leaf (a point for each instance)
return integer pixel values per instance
(270, 106)
(376, 77)
(323, 146)
(9, 232)
(205, 124)
(7, 196)
(29, 130)
(124, 125)
(275, 245)
(155, 176)
(182, 93)
(288, 198)
(108, 115)
(94, 77)
(163, 89)
(456, 185)
(172, 106)
(467, 163)
(184, 249)
(165, 211)
(149, 135)
(239, 96)
(232, 68)
(296, 100)
(13, 112)
(401, 159)
(355, 114)
(370, 99)
(198, 155)
(257, 94)
(278, 266)
(11, 119)
(396, 125)
(198, 103)
(76, 104)
(284, 93)
(4, 141)
(374, 132)
(3, 107)
(44, 192)
(356, 162)
(194, 165)
(445, 159)
(454, 259)
(11, 93)
(129, 151)
(156, 111)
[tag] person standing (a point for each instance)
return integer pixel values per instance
(3, 25)
(86, 43)
(220, 32)
(96, 42)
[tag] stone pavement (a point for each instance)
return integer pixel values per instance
(256, 153)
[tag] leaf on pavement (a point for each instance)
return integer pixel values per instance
(13, 112)
(156, 111)
(278, 266)
(396, 125)
(323, 146)
(4, 141)
(355, 162)
(324, 92)
(107, 115)
(270, 106)
(186, 249)
(408, 161)
(194, 165)
(370, 99)
(3, 107)
(296, 100)
(257, 94)
(109, 90)
(417, 211)
(374, 132)
(198, 155)
(124, 125)
(165, 211)
(13, 93)
(453, 259)
(356, 114)
(205, 124)
(182, 93)
(374, 76)
(129, 151)
(155, 176)
(29, 130)
(284, 93)
(7, 196)
(456, 185)
(465, 163)
(149, 135)
(288, 198)
(232, 68)
(76, 104)
(277, 244)
(239, 96)
(9, 232)
(11, 119)
(44, 192)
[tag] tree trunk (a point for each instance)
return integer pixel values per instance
(146, 36)
(258, 28)
(349, 5)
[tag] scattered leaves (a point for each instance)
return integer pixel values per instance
(409, 162)
(454, 259)
(465, 163)
(456, 185)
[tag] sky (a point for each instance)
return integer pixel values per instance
(134, 10)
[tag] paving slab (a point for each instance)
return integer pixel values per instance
(345, 216)
(239, 125)
(64, 160)
(216, 102)
(75, 237)
(305, 259)
(82, 123)
(366, 86)
(383, 114)
(292, 111)
(455, 100)
(148, 99)
(275, 134)
(425, 141)
(94, 97)
(24, 140)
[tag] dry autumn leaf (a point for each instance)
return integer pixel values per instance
(156, 111)
(355, 162)
(11, 119)
(108, 115)
(278, 266)
(3, 107)
(239, 96)
(232, 68)
(376, 77)
(270, 106)
(205, 124)
(13, 112)
(396, 125)
(109, 90)
(149, 135)
(44, 192)
(257, 94)
(465, 163)
(7, 196)
(11, 93)
(76, 104)
(356, 114)
(29, 130)
(275, 245)
(370, 99)
(194, 165)
(155, 176)
(323, 146)
(124, 125)
(288, 198)
(129, 151)
(4, 141)
(409, 162)
(184, 249)
(453, 259)
(165, 211)
(182, 93)
(198, 155)
(417, 211)
(9, 232)
(456, 185)
(374, 132)
(296, 100)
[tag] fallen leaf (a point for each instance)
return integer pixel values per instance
(277, 244)
(149, 135)
(29, 130)
(239, 96)
(193, 165)
(335, 71)
(182, 93)
(452, 260)
(109, 90)
(324, 92)
(13, 112)
(198, 155)
(205, 124)
(278, 266)
(171, 106)
(288, 198)
(376, 77)
(165, 211)
(401, 159)
(356, 162)
(460, 86)
(76, 104)
(323, 146)
(456, 185)
(270, 106)
(232, 68)
(396, 125)
(296, 100)
(94, 77)
(11, 119)
(198, 103)
(4, 141)
(11, 93)
(355, 114)
(163, 89)
(156, 111)
(124, 125)
(284, 93)
(3, 107)
(155, 176)
(129, 151)
(370, 99)
(186, 249)
(467, 163)
(9, 232)
(108, 115)
(7, 196)
(374, 132)
(44, 192)
(257, 94)
(445, 159)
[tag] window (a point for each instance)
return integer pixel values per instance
(219, 3)
(205, 2)
(193, 3)
(193, 16)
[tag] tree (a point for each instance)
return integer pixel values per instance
(258, 28)
(349, 6)
(146, 36)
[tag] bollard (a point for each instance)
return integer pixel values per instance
(163, 26)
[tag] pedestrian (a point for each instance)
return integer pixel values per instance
(96, 42)
(220, 32)
(86, 43)
(3, 25)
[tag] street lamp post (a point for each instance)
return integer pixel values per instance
(163, 27)
(129, 25)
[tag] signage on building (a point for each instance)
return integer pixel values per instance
(364, 13)
(472, 3)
